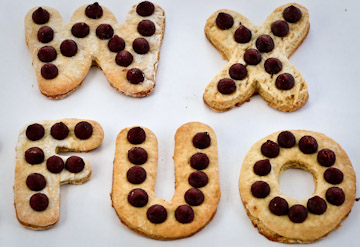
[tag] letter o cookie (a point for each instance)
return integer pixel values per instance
(282, 218)
(197, 189)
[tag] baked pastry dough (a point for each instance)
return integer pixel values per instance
(282, 218)
(40, 170)
(63, 53)
(258, 58)
(197, 189)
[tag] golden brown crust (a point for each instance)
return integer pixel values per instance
(92, 50)
(45, 219)
(257, 81)
(135, 218)
(280, 228)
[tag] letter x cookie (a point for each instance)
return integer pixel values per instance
(63, 53)
(197, 189)
(40, 170)
(258, 58)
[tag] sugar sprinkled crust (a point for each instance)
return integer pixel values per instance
(136, 217)
(257, 80)
(40, 220)
(91, 50)
(281, 228)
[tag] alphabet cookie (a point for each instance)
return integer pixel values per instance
(197, 189)
(63, 53)
(40, 170)
(282, 218)
(258, 58)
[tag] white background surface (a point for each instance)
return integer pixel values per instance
(328, 60)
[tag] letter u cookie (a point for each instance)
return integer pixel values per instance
(40, 170)
(258, 58)
(128, 53)
(197, 189)
(280, 217)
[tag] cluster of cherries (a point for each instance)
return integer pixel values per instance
(68, 47)
(197, 179)
(264, 44)
(315, 205)
(54, 164)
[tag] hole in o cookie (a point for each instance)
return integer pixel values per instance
(297, 183)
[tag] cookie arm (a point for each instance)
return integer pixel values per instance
(147, 63)
(223, 40)
(297, 31)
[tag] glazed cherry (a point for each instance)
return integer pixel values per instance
(146, 28)
(49, 71)
(242, 35)
(116, 44)
(74, 164)
(156, 214)
(136, 175)
(224, 21)
(35, 132)
(40, 16)
(194, 197)
(264, 43)
(83, 130)
(272, 65)
(316, 205)
(335, 196)
(124, 58)
(145, 8)
(59, 131)
(80, 30)
(94, 11)
(326, 157)
(260, 189)
(39, 202)
(279, 206)
(36, 181)
(280, 28)
(237, 71)
(201, 140)
(135, 76)
(137, 155)
(198, 179)
(138, 198)
(226, 86)
(262, 167)
(292, 14)
(333, 175)
(298, 213)
(199, 161)
(47, 54)
(252, 57)
(270, 149)
(34, 155)
(184, 214)
(136, 135)
(308, 145)
(286, 139)
(285, 81)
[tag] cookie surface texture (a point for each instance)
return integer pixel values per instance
(128, 53)
(197, 189)
(40, 170)
(258, 58)
(282, 218)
